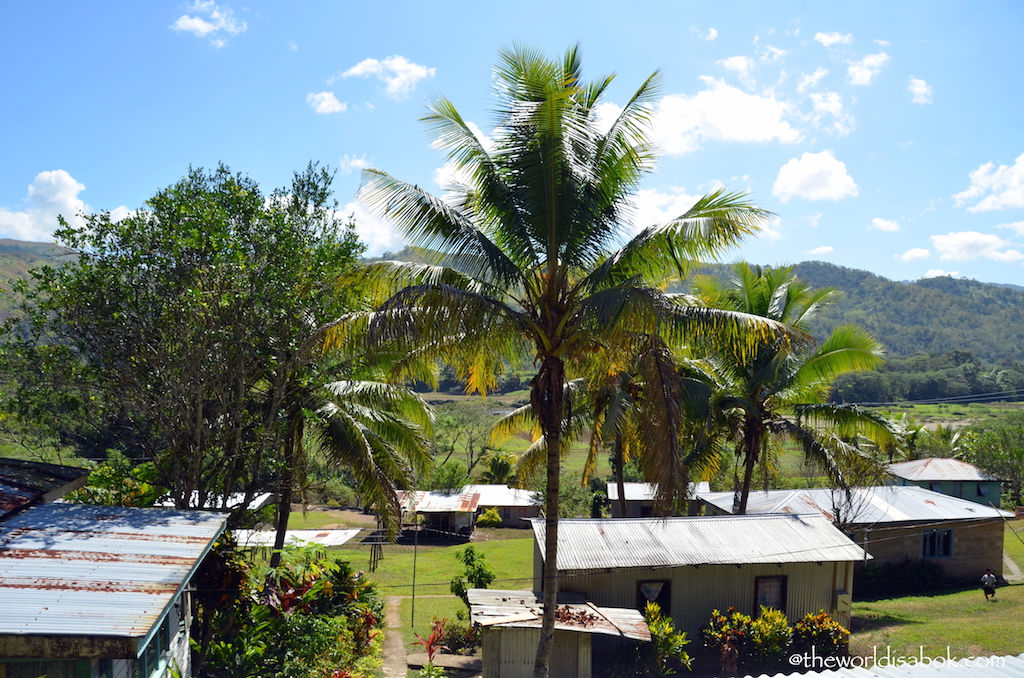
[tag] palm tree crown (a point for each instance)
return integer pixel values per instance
(535, 249)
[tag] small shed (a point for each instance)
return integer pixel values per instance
(99, 591)
(949, 476)
(445, 515)
(510, 624)
(691, 566)
(894, 523)
(515, 506)
(24, 483)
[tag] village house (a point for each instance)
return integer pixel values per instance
(439, 515)
(949, 476)
(515, 506)
(94, 591)
(640, 498)
(895, 523)
(691, 566)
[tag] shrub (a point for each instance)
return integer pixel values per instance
(478, 573)
(489, 518)
(819, 631)
(770, 634)
(459, 637)
(911, 575)
(729, 623)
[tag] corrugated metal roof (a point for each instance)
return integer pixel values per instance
(438, 502)
(937, 470)
(967, 667)
(523, 609)
(256, 538)
(26, 482)
(597, 544)
(60, 563)
(646, 491)
(502, 495)
(868, 505)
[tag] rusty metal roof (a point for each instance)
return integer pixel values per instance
(936, 470)
(28, 482)
(886, 504)
(437, 502)
(599, 544)
(523, 609)
(68, 570)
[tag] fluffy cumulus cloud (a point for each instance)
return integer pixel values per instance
(770, 55)
(350, 163)
(825, 249)
(1017, 226)
(720, 112)
(995, 188)
(939, 273)
(968, 245)
(830, 114)
(920, 90)
(448, 176)
(914, 254)
(399, 74)
(811, 79)
(49, 195)
(880, 224)
(710, 35)
(652, 206)
(325, 103)
(814, 176)
(211, 21)
(834, 38)
(863, 72)
(739, 64)
(378, 235)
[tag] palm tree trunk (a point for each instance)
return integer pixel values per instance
(293, 439)
(620, 474)
(752, 445)
(548, 398)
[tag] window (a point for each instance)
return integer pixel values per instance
(659, 591)
(982, 489)
(938, 543)
(770, 592)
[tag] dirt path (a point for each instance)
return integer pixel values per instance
(394, 650)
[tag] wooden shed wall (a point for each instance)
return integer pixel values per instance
(509, 652)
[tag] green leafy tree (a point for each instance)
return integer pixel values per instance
(535, 253)
(997, 448)
(781, 390)
(478, 574)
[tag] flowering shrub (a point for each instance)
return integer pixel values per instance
(459, 636)
(489, 518)
(725, 624)
(827, 636)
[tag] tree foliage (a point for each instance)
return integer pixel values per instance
(997, 448)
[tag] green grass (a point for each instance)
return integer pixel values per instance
(511, 560)
(426, 609)
(311, 520)
(1012, 544)
(962, 621)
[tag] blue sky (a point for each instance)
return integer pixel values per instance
(886, 136)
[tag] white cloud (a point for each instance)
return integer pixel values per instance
(378, 235)
(292, 44)
(651, 207)
(879, 224)
(740, 64)
(325, 103)
(772, 54)
(351, 162)
(770, 231)
(831, 104)
(711, 35)
(720, 112)
(825, 249)
(815, 176)
(812, 79)
(219, 22)
(968, 245)
(915, 254)
(882, 43)
(1016, 226)
(829, 39)
(921, 91)
(1002, 187)
(400, 74)
(863, 71)
(49, 195)
(939, 273)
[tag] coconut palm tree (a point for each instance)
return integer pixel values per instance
(536, 253)
(780, 391)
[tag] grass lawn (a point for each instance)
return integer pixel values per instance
(962, 621)
(426, 609)
(1013, 533)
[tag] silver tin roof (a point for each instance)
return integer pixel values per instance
(523, 609)
(936, 470)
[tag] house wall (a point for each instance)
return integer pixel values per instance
(697, 591)
(514, 516)
(510, 652)
(976, 545)
(986, 493)
(635, 508)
